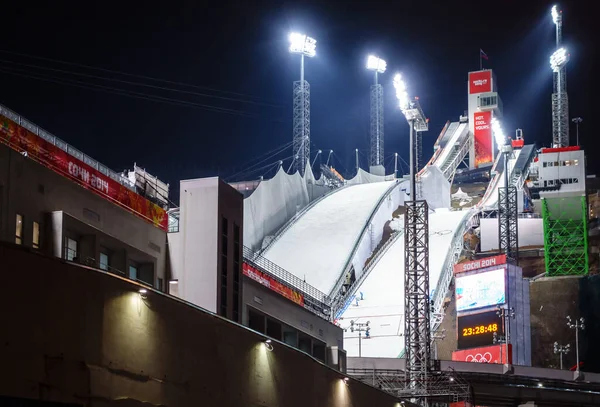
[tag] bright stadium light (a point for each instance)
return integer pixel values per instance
(555, 14)
(401, 92)
(302, 44)
(498, 133)
(558, 59)
(376, 64)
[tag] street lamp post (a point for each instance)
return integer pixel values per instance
(360, 327)
(561, 349)
(579, 324)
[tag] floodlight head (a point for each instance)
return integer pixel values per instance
(376, 64)
(302, 44)
(401, 92)
(555, 14)
(558, 59)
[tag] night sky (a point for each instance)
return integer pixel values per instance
(235, 56)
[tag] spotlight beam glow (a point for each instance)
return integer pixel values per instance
(401, 92)
(302, 44)
(376, 64)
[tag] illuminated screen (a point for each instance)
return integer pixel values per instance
(480, 290)
(478, 329)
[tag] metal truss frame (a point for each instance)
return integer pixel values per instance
(376, 126)
(301, 126)
(508, 223)
(417, 331)
(565, 240)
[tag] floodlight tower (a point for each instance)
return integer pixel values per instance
(378, 66)
(508, 211)
(417, 333)
(560, 100)
(306, 47)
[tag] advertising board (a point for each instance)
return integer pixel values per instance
(480, 290)
(25, 142)
(480, 81)
(478, 330)
(500, 354)
(483, 138)
(269, 282)
(480, 263)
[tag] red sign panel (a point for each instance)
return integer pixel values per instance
(483, 137)
(480, 81)
(47, 154)
(479, 264)
(499, 354)
(272, 284)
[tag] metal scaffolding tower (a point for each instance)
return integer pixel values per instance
(560, 100)
(378, 66)
(565, 236)
(508, 213)
(301, 141)
(306, 47)
(376, 124)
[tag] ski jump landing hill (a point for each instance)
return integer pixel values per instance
(348, 242)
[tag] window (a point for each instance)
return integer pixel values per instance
(236, 272)
(160, 284)
(224, 268)
(36, 235)
(103, 264)
(133, 271)
(19, 229)
(545, 165)
(71, 250)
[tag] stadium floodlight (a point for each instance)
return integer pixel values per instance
(303, 44)
(376, 64)
(555, 14)
(558, 59)
(401, 92)
(498, 133)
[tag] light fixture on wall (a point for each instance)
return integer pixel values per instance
(143, 292)
(174, 281)
(268, 344)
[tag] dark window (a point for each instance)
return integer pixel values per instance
(256, 321)
(160, 284)
(305, 343)
(274, 329)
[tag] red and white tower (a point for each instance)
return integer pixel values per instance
(484, 104)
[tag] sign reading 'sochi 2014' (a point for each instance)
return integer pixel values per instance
(480, 263)
(24, 141)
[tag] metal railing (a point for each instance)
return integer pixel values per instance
(314, 300)
(447, 272)
(340, 303)
(69, 149)
(348, 265)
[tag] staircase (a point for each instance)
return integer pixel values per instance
(521, 166)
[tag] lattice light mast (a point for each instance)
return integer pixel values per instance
(378, 66)
(417, 333)
(306, 47)
(508, 236)
(560, 100)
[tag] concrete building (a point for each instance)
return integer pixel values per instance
(93, 340)
(57, 200)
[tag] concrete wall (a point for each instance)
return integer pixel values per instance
(270, 303)
(81, 336)
(35, 191)
(531, 233)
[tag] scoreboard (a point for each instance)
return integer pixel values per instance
(478, 329)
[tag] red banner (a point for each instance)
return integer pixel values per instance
(483, 137)
(272, 284)
(480, 81)
(498, 354)
(479, 264)
(47, 154)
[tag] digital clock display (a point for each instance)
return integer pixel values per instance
(478, 329)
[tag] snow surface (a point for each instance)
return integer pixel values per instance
(317, 246)
(382, 301)
(491, 198)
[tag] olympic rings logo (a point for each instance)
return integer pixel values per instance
(479, 358)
